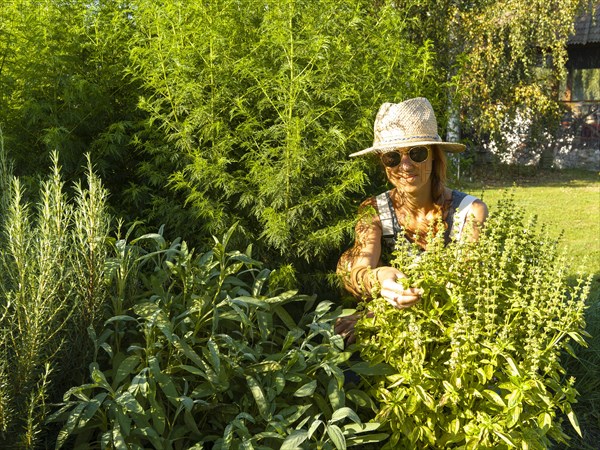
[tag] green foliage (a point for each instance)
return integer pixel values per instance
(52, 287)
(512, 53)
(254, 109)
(208, 354)
(477, 362)
(63, 88)
(200, 114)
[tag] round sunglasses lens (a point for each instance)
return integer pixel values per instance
(418, 154)
(391, 159)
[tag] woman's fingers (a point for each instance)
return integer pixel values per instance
(402, 298)
(344, 326)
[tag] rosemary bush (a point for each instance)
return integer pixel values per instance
(205, 353)
(52, 255)
(477, 362)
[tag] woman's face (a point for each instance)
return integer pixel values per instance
(409, 169)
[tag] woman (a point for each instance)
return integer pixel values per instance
(407, 143)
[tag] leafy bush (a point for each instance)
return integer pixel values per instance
(207, 354)
(477, 362)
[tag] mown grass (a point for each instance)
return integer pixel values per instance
(566, 202)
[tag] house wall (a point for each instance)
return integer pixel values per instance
(579, 143)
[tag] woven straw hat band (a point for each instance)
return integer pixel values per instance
(405, 124)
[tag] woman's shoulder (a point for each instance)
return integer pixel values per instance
(478, 207)
(372, 202)
(368, 202)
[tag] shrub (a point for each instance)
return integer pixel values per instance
(205, 353)
(477, 362)
(52, 255)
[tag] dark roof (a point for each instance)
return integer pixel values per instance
(587, 27)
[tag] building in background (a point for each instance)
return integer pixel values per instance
(581, 95)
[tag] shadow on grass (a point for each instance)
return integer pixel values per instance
(585, 367)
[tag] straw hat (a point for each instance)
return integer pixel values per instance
(407, 124)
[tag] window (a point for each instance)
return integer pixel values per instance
(585, 85)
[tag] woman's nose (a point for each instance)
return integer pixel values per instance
(405, 160)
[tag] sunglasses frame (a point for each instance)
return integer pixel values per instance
(406, 152)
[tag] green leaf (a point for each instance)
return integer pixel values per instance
(366, 439)
(128, 401)
(265, 323)
(365, 368)
(337, 437)
(358, 427)
(514, 415)
(91, 409)
(99, 378)
(425, 397)
(190, 423)
(259, 397)
(265, 367)
(189, 352)
(245, 301)
(344, 413)
(514, 370)
(118, 439)
(285, 318)
(279, 382)
(306, 390)
(336, 396)
(157, 414)
(285, 297)
(293, 413)
(573, 419)
(313, 427)
(291, 337)
(164, 381)
(359, 397)
(139, 383)
(494, 397)
(70, 424)
(193, 370)
(544, 421)
(577, 338)
(150, 434)
(323, 308)
(126, 367)
(121, 318)
(259, 282)
(295, 439)
(214, 357)
(505, 438)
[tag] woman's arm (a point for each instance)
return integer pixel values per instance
(359, 266)
(479, 213)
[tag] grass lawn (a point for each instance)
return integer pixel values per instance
(567, 202)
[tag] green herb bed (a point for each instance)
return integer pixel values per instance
(567, 202)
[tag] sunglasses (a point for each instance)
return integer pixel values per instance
(417, 155)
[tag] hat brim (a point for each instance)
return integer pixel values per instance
(451, 147)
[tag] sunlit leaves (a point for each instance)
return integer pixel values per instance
(199, 360)
(478, 363)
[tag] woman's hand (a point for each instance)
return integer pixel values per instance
(344, 326)
(393, 291)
